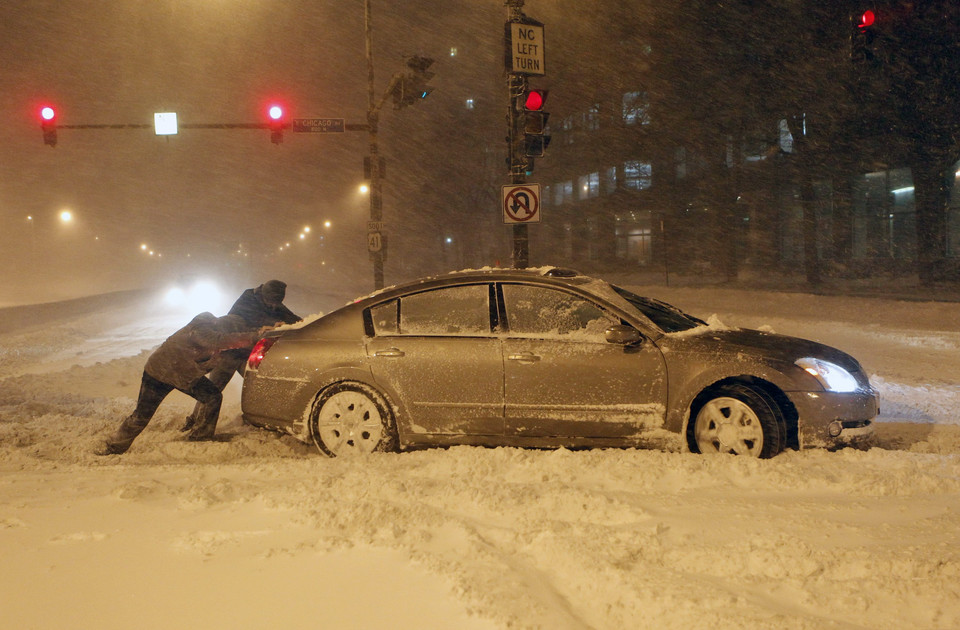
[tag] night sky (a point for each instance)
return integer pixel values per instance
(204, 198)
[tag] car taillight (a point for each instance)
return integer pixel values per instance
(259, 351)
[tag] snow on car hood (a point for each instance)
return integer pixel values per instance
(757, 343)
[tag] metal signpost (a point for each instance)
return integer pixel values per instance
(523, 56)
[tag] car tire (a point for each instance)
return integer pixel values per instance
(352, 418)
(738, 419)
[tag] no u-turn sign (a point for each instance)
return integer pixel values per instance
(521, 203)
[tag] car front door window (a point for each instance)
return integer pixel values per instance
(546, 313)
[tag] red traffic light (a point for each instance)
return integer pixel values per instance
(276, 114)
(534, 100)
(48, 123)
(867, 19)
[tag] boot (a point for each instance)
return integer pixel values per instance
(125, 434)
(189, 424)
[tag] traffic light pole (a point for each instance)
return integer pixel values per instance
(516, 86)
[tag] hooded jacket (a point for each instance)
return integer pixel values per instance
(255, 310)
(193, 350)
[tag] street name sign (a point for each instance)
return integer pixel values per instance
(318, 125)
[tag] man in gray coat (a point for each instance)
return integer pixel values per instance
(181, 363)
(260, 306)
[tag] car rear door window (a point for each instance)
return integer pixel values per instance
(450, 311)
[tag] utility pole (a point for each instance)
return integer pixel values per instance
(375, 243)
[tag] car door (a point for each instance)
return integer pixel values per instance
(563, 379)
(434, 351)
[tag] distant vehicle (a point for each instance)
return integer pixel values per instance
(547, 358)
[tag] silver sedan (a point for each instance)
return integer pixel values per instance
(547, 358)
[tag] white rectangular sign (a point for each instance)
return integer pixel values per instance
(165, 123)
(526, 48)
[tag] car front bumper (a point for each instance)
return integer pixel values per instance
(829, 419)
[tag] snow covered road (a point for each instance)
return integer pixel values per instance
(258, 531)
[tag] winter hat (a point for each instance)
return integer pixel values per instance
(273, 292)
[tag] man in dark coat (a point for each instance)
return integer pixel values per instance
(181, 363)
(261, 306)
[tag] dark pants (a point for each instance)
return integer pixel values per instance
(152, 393)
(229, 362)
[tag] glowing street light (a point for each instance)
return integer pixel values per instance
(66, 216)
(327, 224)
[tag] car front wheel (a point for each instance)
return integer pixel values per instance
(737, 419)
(352, 418)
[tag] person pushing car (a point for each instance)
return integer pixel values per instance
(258, 307)
(181, 362)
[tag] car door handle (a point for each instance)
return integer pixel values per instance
(523, 357)
(389, 352)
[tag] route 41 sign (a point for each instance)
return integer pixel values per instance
(521, 203)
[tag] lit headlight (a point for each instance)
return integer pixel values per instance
(204, 295)
(833, 377)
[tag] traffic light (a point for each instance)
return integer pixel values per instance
(413, 85)
(865, 36)
(535, 140)
(277, 122)
(48, 123)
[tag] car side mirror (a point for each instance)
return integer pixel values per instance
(623, 335)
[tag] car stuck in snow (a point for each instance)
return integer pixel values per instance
(545, 358)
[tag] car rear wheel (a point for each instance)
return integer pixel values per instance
(352, 418)
(737, 419)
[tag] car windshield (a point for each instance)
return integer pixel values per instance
(668, 318)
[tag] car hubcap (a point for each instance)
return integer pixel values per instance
(350, 422)
(728, 425)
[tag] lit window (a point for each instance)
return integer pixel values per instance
(469, 103)
(453, 52)
(611, 179)
(635, 109)
(589, 186)
(637, 175)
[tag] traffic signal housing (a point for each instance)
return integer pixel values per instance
(412, 86)
(48, 124)
(535, 140)
(864, 35)
(277, 121)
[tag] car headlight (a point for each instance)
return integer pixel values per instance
(833, 377)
